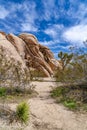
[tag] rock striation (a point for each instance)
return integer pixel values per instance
(26, 49)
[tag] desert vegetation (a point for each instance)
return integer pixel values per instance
(73, 76)
(36, 75)
(15, 87)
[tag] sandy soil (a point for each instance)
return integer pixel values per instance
(47, 115)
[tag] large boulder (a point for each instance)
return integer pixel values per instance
(17, 43)
(32, 44)
(34, 52)
(49, 57)
(10, 50)
(29, 52)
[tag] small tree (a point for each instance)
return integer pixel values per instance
(65, 59)
(74, 67)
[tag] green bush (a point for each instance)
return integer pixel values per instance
(36, 74)
(22, 112)
(70, 104)
(59, 91)
(2, 91)
(73, 77)
(61, 94)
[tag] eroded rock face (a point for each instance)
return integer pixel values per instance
(28, 50)
(10, 49)
(17, 43)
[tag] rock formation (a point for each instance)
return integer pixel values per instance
(10, 49)
(28, 51)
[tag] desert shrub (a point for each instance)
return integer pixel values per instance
(64, 76)
(36, 73)
(71, 96)
(20, 115)
(71, 104)
(2, 91)
(56, 92)
(59, 91)
(74, 67)
(74, 75)
(12, 73)
(16, 95)
(22, 112)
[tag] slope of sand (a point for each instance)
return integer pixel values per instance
(47, 115)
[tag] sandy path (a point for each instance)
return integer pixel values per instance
(47, 115)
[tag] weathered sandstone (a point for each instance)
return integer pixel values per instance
(28, 51)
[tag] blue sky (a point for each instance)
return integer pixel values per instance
(58, 24)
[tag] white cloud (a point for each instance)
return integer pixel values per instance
(51, 32)
(49, 43)
(30, 15)
(60, 47)
(46, 43)
(3, 12)
(54, 31)
(28, 27)
(30, 12)
(78, 12)
(26, 19)
(50, 9)
(76, 34)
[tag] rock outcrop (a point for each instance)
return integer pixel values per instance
(10, 49)
(28, 51)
